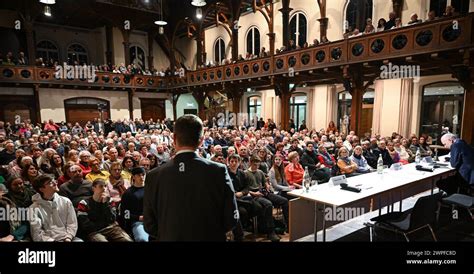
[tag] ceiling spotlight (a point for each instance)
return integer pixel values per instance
(199, 13)
(161, 23)
(198, 3)
(47, 11)
(48, 2)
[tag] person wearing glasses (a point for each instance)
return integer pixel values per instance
(54, 218)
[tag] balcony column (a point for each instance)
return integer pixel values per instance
(200, 96)
(131, 93)
(126, 46)
(150, 58)
(199, 49)
(37, 104)
(465, 76)
(283, 91)
(30, 42)
(109, 44)
(323, 21)
(235, 43)
(357, 89)
(174, 101)
(285, 12)
(398, 8)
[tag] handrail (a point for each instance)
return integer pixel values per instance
(424, 38)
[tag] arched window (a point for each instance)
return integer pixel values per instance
(47, 50)
(439, 6)
(254, 107)
(441, 106)
(219, 50)
(298, 109)
(253, 41)
(357, 13)
(137, 56)
(76, 52)
(299, 28)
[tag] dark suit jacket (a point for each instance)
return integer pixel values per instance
(462, 159)
(189, 199)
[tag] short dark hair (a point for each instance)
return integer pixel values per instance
(98, 181)
(40, 181)
(233, 156)
(188, 130)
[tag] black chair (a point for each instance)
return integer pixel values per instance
(460, 200)
(422, 215)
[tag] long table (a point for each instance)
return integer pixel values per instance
(405, 182)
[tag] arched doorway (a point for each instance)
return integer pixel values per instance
(85, 109)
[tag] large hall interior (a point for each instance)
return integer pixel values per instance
(337, 120)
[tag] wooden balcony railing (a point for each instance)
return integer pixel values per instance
(425, 38)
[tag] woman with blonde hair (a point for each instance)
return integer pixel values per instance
(294, 170)
(345, 164)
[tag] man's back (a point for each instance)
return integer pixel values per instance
(462, 158)
(189, 199)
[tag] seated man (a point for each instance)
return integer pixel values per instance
(462, 159)
(54, 216)
(97, 217)
(132, 205)
(77, 188)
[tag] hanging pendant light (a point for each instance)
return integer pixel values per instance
(161, 23)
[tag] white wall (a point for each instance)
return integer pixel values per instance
(64, 36)
(51, 102)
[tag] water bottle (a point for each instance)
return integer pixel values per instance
(380, 164)
(418, 157)
(306, 179)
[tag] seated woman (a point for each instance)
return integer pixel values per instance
(393, 153)
(402, 152)
(325, 158)
(359, 159)
(294, 170)
(277, 177)
(345, 164)
(10, 228)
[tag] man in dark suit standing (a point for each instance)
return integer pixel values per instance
(462, 159)
(189, 198)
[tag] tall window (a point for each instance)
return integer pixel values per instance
(299, 29)
(254, 104)
(253, 41)
(442, 106)
(298, 109)
(219, 50)
(357, 13)
(439, 6)
(47, 50)
(137, 56)
(76, 52)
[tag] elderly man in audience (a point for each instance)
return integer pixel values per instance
(77, 188)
